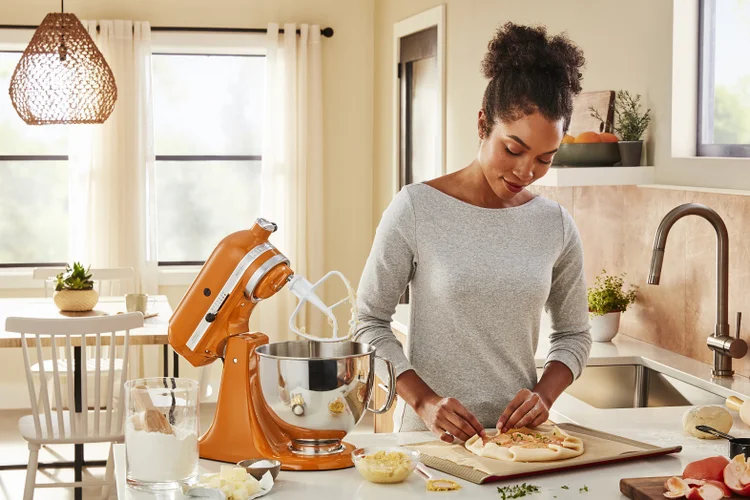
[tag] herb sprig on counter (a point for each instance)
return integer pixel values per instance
(517, 491)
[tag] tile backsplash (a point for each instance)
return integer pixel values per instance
(617, 226)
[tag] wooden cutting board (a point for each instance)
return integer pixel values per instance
(646, 488)
(582, 121)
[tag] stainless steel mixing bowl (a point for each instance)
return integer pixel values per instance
(321, 387)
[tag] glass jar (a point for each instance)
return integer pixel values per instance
(161, 432)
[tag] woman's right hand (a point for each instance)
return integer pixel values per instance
(449, 419)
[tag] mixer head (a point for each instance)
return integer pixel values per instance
(243, 269)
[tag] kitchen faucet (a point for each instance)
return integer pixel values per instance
(724, 347)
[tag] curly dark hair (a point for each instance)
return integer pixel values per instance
(530, 71)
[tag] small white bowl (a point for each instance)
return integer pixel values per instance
(257, 472)
(384, 474)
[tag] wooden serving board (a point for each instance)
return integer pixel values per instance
(646, 488)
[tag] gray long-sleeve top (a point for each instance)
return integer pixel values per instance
(479, 280)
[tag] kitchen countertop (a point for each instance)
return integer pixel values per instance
(656, 426)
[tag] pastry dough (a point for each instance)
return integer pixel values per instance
(527, 445)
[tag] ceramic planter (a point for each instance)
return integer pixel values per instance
(630, 153)
(604, 328)
(76, 300)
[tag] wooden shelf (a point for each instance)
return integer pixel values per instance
(597, 176)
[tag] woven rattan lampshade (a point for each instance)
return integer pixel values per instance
(62, 76)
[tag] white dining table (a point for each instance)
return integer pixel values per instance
(154, 332)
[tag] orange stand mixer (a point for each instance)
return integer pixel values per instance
(292, 401)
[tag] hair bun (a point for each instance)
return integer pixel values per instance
(528, 49)
(513, 46)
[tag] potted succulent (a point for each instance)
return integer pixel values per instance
(74, 290)
(607, 301)
(631, 124)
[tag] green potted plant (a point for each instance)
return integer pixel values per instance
(608, 299)
(74, 290)
(630, 125)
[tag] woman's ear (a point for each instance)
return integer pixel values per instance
(482, 127)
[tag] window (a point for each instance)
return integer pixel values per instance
(33, 185)
(208, 118)
(724, 89)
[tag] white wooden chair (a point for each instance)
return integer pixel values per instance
(126, 275)
(50, 424)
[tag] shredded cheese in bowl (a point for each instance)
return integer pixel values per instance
(385, 465)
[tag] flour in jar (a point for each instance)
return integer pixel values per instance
(157, 457)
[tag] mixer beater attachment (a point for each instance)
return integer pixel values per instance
(305, 292)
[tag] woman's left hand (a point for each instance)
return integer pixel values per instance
(528, 409)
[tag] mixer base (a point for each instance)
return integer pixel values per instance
(295, 461)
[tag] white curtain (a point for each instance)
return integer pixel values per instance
(112, 200)
(292, 169)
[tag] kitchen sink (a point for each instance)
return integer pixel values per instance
(636, 386)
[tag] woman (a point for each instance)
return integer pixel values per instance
(484, 256)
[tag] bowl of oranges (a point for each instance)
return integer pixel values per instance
(588, 149)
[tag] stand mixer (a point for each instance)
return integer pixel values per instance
(291, 401)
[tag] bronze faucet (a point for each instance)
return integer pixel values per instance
(724, 347)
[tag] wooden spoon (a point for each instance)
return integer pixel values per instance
(154, 420)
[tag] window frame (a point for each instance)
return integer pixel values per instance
(205, 44)
(706, 67)
(15, 41)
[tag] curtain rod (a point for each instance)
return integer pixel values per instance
(326, 32)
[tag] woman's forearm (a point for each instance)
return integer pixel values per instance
(555, 379)
(415, 391)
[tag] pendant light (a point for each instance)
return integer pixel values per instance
(62, 77)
